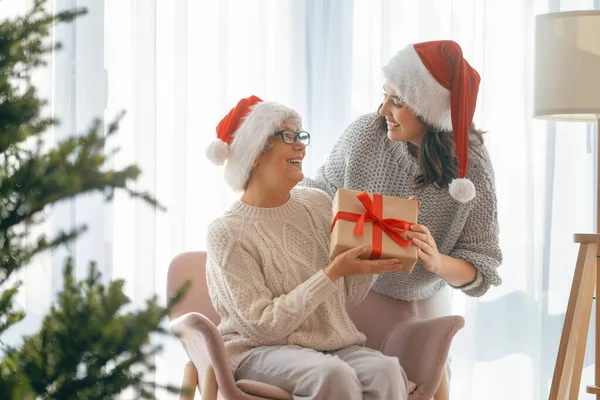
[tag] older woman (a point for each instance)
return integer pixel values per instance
(282, 302)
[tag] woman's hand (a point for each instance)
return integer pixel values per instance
(455, 271)
(348, 263)
(426, 248)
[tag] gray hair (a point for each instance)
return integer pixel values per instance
(266, 148)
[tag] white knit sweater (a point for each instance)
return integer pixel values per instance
(265, 278)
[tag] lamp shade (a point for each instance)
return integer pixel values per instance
(567, 66)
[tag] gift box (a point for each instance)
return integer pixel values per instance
(382, 221)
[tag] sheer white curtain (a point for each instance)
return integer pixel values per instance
(178, 66)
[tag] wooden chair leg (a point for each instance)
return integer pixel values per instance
(190, 381)
(443, 392)
(210, 389)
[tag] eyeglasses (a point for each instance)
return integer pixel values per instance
(290, 137)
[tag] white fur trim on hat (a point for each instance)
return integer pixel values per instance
(250, 139)
(418, 89)
(462, 190)
(217, 152)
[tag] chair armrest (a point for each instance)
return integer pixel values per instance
(204, 345)
(422, 347)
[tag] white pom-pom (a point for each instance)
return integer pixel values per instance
(218, 152)
(462, 190)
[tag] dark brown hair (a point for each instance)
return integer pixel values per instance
(436, 156)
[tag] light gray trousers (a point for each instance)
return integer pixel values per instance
(352, 373)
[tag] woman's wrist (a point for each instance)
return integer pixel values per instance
(457, 272)
(463, 286)
(331, 272)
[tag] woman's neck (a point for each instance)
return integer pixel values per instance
(265, 196)
(413, 149)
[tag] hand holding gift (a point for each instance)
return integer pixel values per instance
(427, 251)
(426, 248)
(348, 263)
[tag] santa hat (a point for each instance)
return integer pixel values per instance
(438, 84)
(242, 135)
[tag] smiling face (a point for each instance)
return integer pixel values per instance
(281, 164)
(403, 125)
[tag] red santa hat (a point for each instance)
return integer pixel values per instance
(242, 135)
(438, 84)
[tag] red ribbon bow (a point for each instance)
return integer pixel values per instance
(374, 213)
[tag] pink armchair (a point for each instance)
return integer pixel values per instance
(390, 326)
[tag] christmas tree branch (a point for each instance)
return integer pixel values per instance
(10, 316)
(22, 48)
(86, 332)
(14, 253)
(91, 345)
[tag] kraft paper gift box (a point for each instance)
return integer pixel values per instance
(383, 221)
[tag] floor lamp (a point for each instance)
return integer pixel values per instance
(567, 88)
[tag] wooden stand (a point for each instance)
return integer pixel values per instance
(569, 361)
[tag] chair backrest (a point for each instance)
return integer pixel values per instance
(191, 266)
(375, 316)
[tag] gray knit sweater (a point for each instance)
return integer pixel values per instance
(365, 159)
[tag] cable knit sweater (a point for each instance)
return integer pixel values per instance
(266, 281)
(365, 159)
